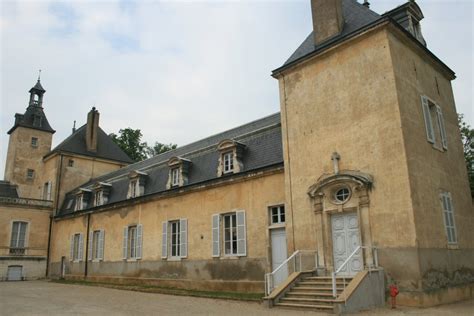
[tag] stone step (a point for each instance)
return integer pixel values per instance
(315, 288)
(325, 278)
(326, 285)
(309, 294)
(314, 282)
(305, 306)
(313, 301)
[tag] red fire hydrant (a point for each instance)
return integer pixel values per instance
(393, 294)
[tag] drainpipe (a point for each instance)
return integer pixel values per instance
(86, 255)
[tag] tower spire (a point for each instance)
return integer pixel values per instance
(39, 75)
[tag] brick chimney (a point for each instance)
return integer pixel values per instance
(328, 19)
(92, 129)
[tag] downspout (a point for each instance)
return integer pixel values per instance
(55, 208)
(86, 256)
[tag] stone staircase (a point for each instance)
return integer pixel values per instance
(313, 293)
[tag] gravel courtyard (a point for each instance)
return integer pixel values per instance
(46, 298)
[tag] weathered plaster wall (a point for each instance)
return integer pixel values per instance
(253, 195)
(21, 156)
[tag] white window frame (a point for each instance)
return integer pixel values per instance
(134, 188)
(79, 202)
(96, 245)
(47, 191)
(429, 107)
(174, 245)
(219, 233)
(175, 176)
(34, 142)
(132, 242)
(230, 238)
(15, 240)
(448, 218)
(228, 162)
(77, 247)
(98, 197)
(280, 212)
(30, 174)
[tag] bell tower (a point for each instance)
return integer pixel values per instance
(30, 140)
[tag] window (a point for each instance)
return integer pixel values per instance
(133, 188)
(70, 163)
(79, 202)
(434, 123)
(47, 191)
(233, 234)
(34, 142)
(228, 159)
(76, 247)
(175, 177)
(96, 245)
(132, 242)
(98, 198)
(18, 238)
(277, 214)
(175, 239)
(342, 195)
(37, 120)
(448, 217)
(30, 174)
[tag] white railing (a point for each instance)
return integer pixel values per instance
(375, 264)
(299, 261)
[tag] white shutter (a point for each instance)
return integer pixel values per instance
(442, 129)
(428, 123)
(183, 237)
(89, 250)
(164, 240)
(241, 234)
(71, 251)
(216, 235)
(448, 217)
(139, 241)
(48, 191)
(125, 243)
(101, 244)
(80, 256)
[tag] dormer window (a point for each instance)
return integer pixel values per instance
(178, 172)
(98, 198)
(101, 193)
(79, 204)
(231, 153)
(82, 198)
(136, 186)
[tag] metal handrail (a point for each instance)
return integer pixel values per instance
(374, 258)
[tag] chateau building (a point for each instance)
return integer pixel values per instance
(358, 182)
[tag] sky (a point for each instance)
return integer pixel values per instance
(178, 70)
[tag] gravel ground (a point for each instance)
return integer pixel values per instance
(46, 298)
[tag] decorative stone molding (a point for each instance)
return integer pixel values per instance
(183, 165)
(237, 150)
(137, 182)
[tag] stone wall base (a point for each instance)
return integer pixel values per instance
(33, 268)
(436, 297)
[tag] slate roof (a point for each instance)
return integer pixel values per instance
(356, 16)
(28, 120)
(106, 148)
(8, 190)
(263, 148)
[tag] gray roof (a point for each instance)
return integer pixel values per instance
(106, 148)
(263, 148)
(28, 120)
(356, 16)
(8, 190)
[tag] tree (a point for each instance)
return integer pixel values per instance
(160, 148)
(467, 138)
(129, 140)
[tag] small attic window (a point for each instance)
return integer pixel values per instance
(228, 159)
(70, 163)
(175, 176)
(34, 142)
(30, 174)
(231, 154)
(178, 172)
(37, 121)
(136, 186)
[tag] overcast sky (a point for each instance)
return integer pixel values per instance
(178, 70)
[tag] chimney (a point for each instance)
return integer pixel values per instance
(328, 19)
(92, 129)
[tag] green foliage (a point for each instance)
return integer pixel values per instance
(130, 141)
(467, 137)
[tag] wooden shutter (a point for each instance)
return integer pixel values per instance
(183, 237)
(139, 241)
(442, 129)
(448, 217)
(91, 245)
(101, 244)
(48, 191)
(241, 234)
(81, 247)
(428, 123)
(71, 251)
(216, 249)
(125, 243)
(164, 240)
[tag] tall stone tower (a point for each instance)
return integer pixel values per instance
(30, 140)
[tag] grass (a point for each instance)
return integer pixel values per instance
(240, 296)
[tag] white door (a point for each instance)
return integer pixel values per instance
(345, 239)
(14, 273)
(279, 254)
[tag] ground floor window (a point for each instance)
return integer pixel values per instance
(277, 214)
(76, 247)
(96, 245)
(132, 242)
(174, 239)
(231, 229)
(230, 234)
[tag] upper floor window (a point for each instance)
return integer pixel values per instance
(79, 202)
(18, 238)
(228, 159)
(175, 176)
(132, 242)
(47, 191)
(77, 247)
(96, 245)
(434, 124)
(30, 174)
(98, 198)
(448, 218)
(37, 120)
(175, 239)
(133, 188)
(136, 185)
(70, 163)
(34, 141)
(178, 172)
(230, 228)
(277, 214)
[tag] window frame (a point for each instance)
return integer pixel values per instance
(280, 210)
(219, 237)
(228, 162)
(134, 190)
(79, 205)
(449, 221)
(99, 198)
(175, 176)
(77, 247)
(435, 125)
(34, 142)
(15, 240)
(175, 239)
(232, 240)
(30, 174)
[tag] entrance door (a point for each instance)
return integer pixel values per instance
(279, 254)
(14, 273)
(345, 239)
